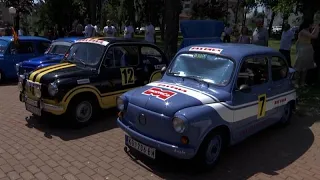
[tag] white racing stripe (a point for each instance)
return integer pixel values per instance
(184, 90)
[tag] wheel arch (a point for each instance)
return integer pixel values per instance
(84, 92)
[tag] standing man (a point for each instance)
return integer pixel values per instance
(316, 48)
(150, 32)
(260, 35)
(227, 33)
(89, 30)
(286, 42)
(128, 30)
(109, 30)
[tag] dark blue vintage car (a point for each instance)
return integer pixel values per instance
(210, 96)
(12, 53)
(53, 55)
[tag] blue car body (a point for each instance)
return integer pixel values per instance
(205, 106)
(50, 57)
(11, 54)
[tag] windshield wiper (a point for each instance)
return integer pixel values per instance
(173, 73)
(196, 78)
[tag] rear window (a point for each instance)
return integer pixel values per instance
(58, 48)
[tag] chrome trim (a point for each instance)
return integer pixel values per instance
(48, 107)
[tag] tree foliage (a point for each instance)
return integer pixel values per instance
(209, 10)
(22, 6)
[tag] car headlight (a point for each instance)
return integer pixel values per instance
(37, 92)
(121, 104)
(179, 125)
(53, 89)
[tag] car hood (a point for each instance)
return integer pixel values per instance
(48, 58)
(167, 98)
(60, 71)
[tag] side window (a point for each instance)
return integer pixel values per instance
(42, 46)
(150, 55)
(24, 48)
(279, 68)
(122, 56)
(254, 71)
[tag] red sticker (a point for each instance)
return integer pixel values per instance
(159, 93)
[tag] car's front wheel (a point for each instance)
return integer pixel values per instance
(82, 112)
(210, 151)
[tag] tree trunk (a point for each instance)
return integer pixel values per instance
(93, 11)
(173, 9)
(273, 15)
(16, 22)
(162, 25)
(236, 14)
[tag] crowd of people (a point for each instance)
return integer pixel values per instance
(307, 61)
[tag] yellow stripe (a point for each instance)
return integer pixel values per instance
(44, 69)
(38, 78)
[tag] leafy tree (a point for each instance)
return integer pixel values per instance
(209, 10)
(22, 7)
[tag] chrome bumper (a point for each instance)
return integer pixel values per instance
(43, 106)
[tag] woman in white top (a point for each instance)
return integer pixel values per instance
(128, 30)
(149, 34)
(304, 57)
(89, 30)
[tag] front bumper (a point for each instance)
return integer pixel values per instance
(173, 150)
(44, 105)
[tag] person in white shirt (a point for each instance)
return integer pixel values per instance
(109, 30)
(20, 32)
(128, 30)
(227, 33)
(286, 42)
(149, 33)
(89, 30)
(260, 35)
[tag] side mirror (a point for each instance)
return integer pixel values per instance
(245, 88)
(163, 70)
(13, 51)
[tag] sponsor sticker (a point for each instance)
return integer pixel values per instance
(206, 49)
(95, 41)
(159, 93)
(280, 101)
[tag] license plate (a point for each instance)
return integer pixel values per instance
(33, 109)
(148, 151)
(32, 102)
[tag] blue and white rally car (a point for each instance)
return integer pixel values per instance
(211, 96)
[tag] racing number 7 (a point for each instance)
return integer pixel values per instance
(262, 105)
(127, 76)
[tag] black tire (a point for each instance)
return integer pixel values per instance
(82, 105)
(286, 116)
(202, 159)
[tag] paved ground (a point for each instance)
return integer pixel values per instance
(43, 150)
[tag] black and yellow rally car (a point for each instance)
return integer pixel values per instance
(92, 74)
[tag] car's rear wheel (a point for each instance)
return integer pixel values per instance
(210, 151)
(82, 112)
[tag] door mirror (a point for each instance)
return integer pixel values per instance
(245, 88)
(13, 51)
(163, 70)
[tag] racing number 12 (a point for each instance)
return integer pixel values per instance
(262, 105)
(127, 76)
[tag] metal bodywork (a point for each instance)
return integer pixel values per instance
(204, 107)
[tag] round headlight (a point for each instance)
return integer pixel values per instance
(120, 104)
(37, 92)
(179, 125)
(53, 89)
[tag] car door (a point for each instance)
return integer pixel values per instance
(20, 52)
(152, 62)
(251, 108)
(280, 84)
(118, 71)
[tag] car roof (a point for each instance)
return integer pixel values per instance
(238, 51)
(110, 40)
(69, 39)
(9, 38)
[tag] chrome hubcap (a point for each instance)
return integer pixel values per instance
(84, 111)
(214, 149)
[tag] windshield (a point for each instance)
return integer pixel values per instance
(85, 53)
(210, 68)
(3, 46)
(58, 48)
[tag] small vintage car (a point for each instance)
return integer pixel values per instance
(12, 53)
(53, 55)
(210, 96)
(92, 74)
